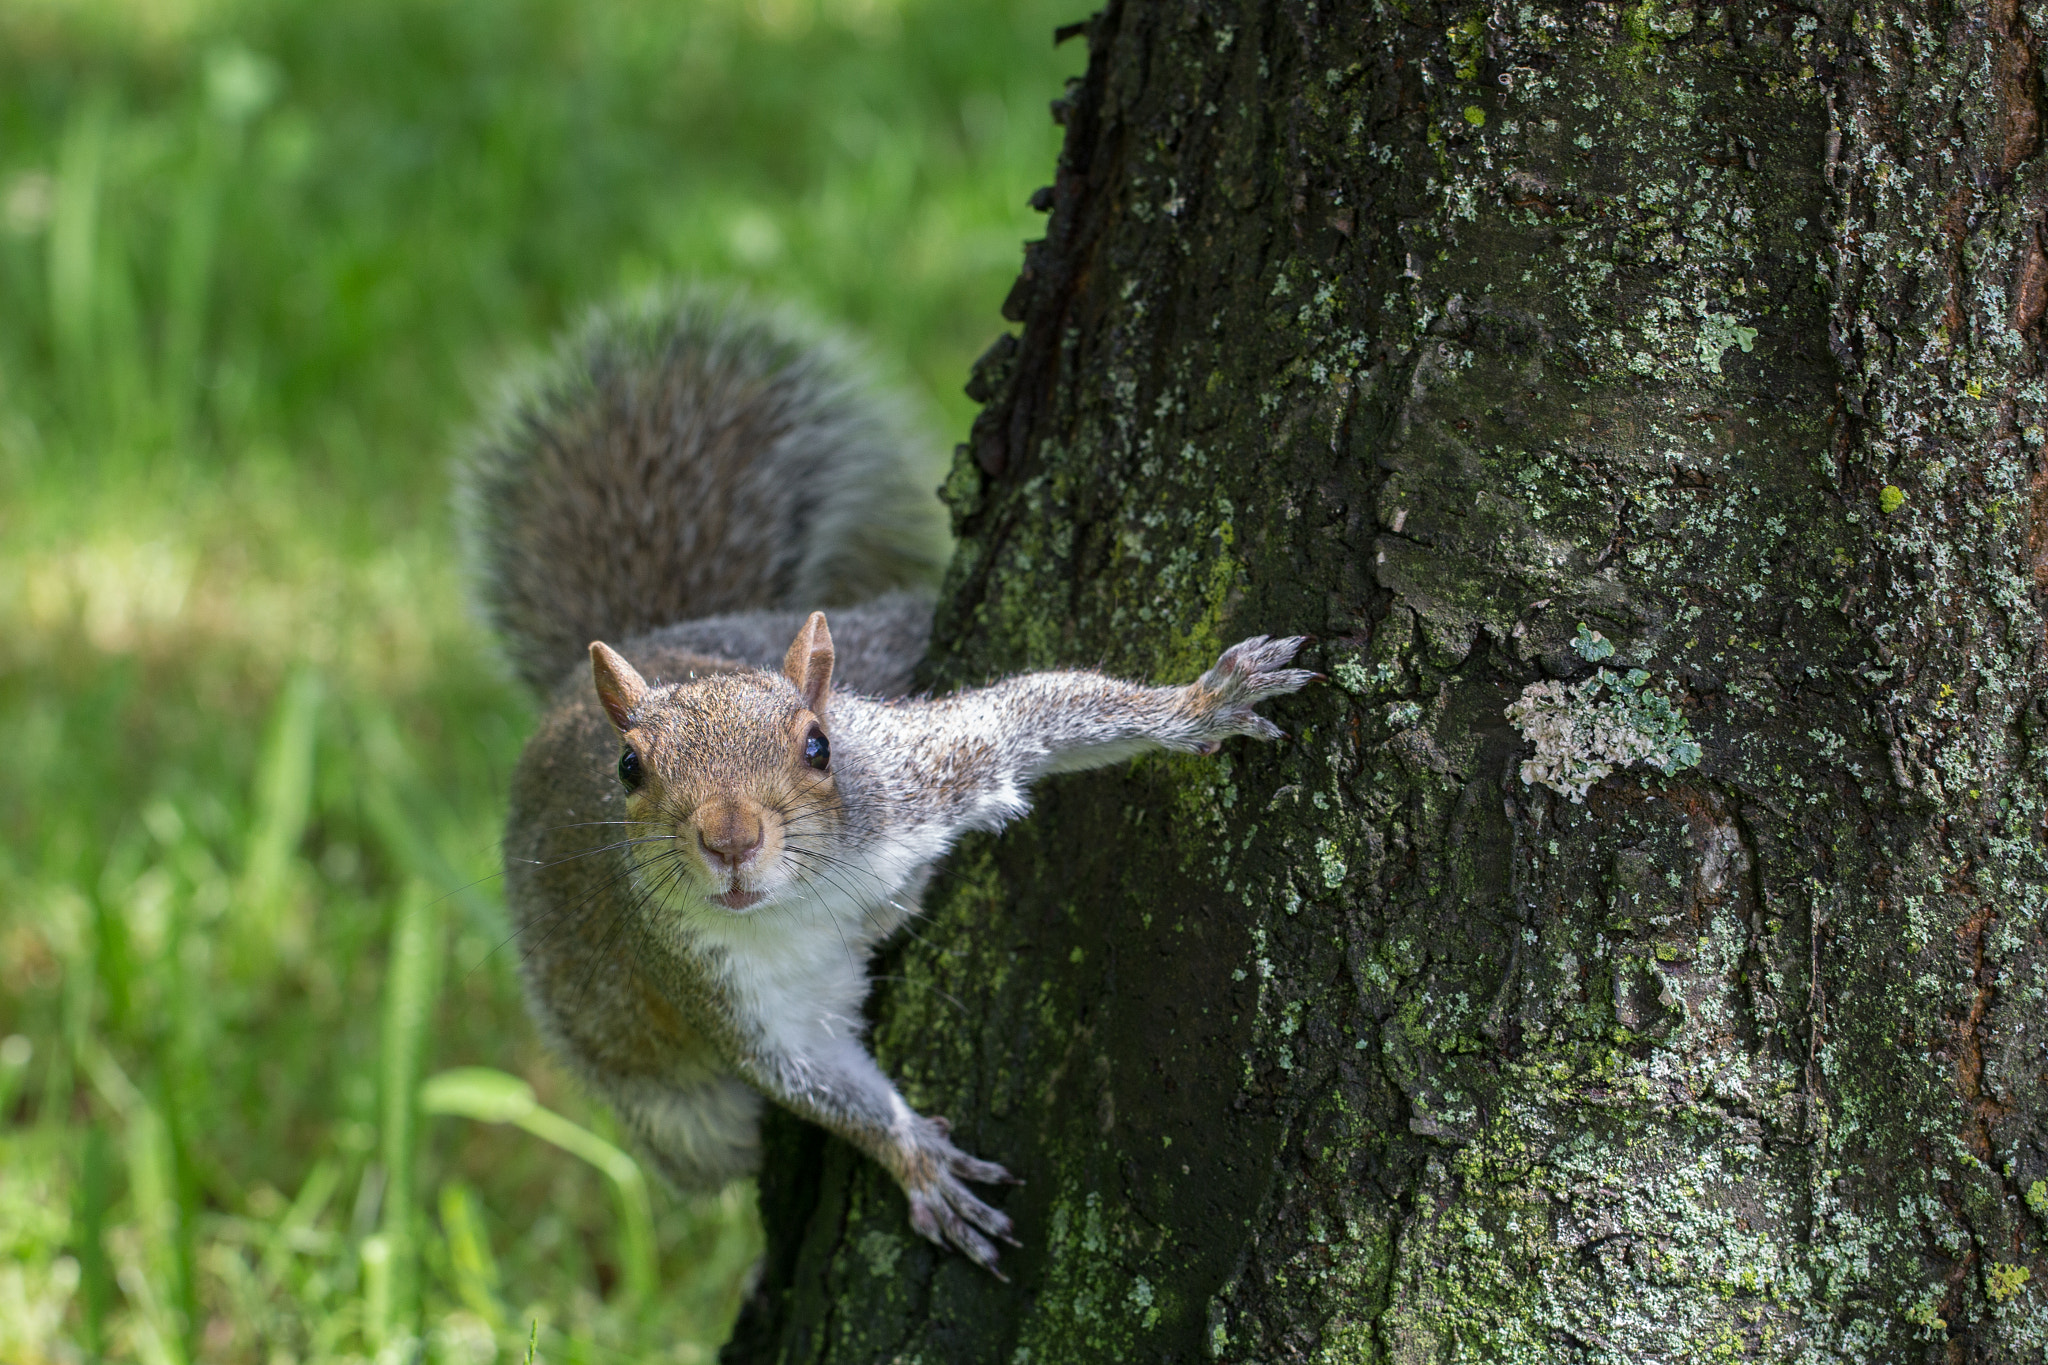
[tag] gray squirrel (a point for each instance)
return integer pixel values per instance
(717, 824)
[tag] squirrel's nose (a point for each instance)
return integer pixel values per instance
(730, 836)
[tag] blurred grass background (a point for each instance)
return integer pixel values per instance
(259, 262)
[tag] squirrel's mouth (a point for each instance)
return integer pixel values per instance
(737, 899)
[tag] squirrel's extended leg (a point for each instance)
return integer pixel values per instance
(967, 760)
(837, 1085)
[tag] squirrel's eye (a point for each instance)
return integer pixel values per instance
(817, 749)
(629, 770)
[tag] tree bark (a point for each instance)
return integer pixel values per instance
(1670, 374)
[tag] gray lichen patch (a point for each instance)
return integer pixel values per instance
(1585, 731)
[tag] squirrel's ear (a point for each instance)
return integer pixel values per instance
(809, 662)
(619, 684)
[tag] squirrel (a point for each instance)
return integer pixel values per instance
(728, 804)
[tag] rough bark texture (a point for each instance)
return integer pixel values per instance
(1438, 331)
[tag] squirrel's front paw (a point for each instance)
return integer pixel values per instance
(1248, 673)
(943, 1209)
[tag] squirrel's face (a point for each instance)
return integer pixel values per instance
(732, 777)
(728, 777)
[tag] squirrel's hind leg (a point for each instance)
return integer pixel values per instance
(699, 1135)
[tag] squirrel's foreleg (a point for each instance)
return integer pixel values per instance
(969, 758)
(834, 1083)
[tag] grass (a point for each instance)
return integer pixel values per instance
(266, 1089)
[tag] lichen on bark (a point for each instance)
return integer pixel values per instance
(1438, 331)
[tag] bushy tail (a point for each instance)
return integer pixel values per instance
(685, 456)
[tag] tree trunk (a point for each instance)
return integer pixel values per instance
(1637, 952)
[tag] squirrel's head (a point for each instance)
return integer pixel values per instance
(731, 773)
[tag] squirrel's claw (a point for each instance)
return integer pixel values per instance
(945, 1212)
(1248, 673)
(1251, 670)
(947, 1215)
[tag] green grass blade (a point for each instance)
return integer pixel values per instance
(17, 1050)
(388, 796)
(153, 1281)
(75, 1019)
(299, 1220)
(469, 1254)
(411, 986)
(636, 1212)
(188, 274)
(379, 1293)
(88, 1240)
(490, 1096)
(74, 241)
(283, 800)
(152, 1274)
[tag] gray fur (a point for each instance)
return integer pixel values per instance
(688, 456)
